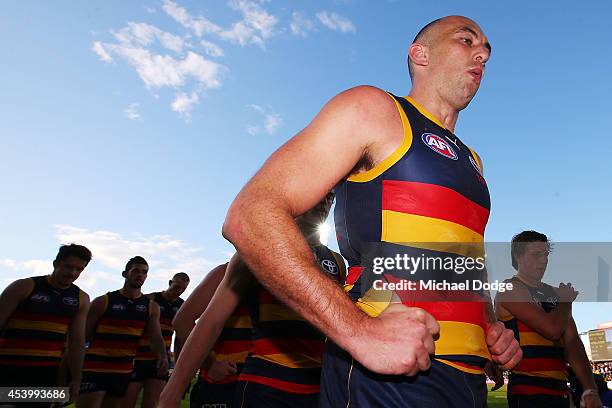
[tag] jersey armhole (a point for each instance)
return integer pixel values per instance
(105, 297)
(478, 160)
(341, 266)
(394, 157)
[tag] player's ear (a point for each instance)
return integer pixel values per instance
(124, 274)
(418, 54)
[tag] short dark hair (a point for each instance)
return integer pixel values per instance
(420, 35)
(133, 261)
(79, 251)
(181, 275)
(519, 243)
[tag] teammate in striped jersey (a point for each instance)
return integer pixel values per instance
(115, 323)
(218, 375)
(144, 375)
(42, 319)
(540, 316)
(284, 363)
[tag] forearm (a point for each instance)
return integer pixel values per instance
(181, 334)
(159, 347)
(194, 351)
(290, 273)
(74, 357)
(576, 357)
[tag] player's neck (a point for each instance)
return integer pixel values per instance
(53, 282)
(130, 292)
(166, 296)
(436, 107)
(527, 280)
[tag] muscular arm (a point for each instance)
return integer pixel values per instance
(551, 325)
(154, 333)
(576, 356)
(296, 177)
(10, 298)
(96, 310)
(202, 338)
(75, 350)
(194, 306)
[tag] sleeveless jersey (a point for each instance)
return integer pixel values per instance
(35, 334)
(233, 343)
(167, 311)
(543, 368)
(427, 199)
(287, 350)
(115, 341)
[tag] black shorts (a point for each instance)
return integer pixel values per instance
(537, 401)
(146, 369)
(346, 383)
(254, 395)
(115, 385)
(205, 395)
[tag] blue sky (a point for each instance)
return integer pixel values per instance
(131, 126)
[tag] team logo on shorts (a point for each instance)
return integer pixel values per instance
(70, 301)
(141, 308)
(40, 298)
(475, 164)
(329, 266)
(439, 145)
(118, 306)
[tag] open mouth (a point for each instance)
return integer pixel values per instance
(476, 73)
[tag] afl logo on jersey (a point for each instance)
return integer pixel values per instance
(40, 298)
(70, 301)
(141, 308)
(329, 266)
(439, 145)
(118, 306)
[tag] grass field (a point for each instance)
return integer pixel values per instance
(496, 399)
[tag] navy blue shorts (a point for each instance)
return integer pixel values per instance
(254, 395)
(346, 383)
(537, 401)
(209, 395)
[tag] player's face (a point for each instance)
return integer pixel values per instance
(457, 59)
(534, 260)
(67, 271)
(137, 275)
(177, 287)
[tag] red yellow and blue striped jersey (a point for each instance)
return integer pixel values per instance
(233, 344)
(114, 345)
(543, 369)
(35, 334)
(287, 350)
(428, 198)
(167, 311)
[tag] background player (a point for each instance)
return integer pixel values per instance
(115, 323)
(284, 364)
(145, 374)
(541, 318)
(40, 317)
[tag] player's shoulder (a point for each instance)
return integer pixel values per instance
(366, 97)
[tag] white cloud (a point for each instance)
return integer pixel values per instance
(158, 71)
(212, 49)
(131, 112)
(183, 103)
(272, 121)
(256, 26)
(98, 48)
(199, 25)
(143, 34)
(336, 22)
(23, 269)
(301, 25)
(112, 250)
